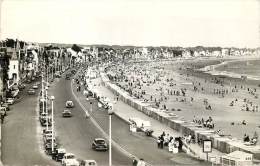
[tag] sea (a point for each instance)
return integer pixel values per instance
(249, 69)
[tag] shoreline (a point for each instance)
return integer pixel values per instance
(231, 142)
(212, 69)
(183, 74)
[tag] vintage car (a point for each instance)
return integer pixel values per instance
(31, 91)
(35, 86)
(67, 76)
(21, 86)
(73, 71)
(69, 104)
(88, 163)
(99, 144)
(69, 159)
(48, 144)
(10, 101)
(3, 111)
(58, 154)
(66, 113)
(6, 105)
(57, 75)
(44, 122)
(45, 131)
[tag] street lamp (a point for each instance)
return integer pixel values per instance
(43, 94)
(52, 72)
(47, 120)
(110, 113)
(52, 125)
(47, 75)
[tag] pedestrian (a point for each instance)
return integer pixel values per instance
(2, 118)
(158, 141)
(141, 162)
(161, 142)
(86, 114)
(135, 162)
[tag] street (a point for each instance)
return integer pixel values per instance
(83, 131)
(21, 135)
(76, 134)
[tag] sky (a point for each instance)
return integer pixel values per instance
(224, 23)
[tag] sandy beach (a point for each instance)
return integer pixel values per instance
(193, 94)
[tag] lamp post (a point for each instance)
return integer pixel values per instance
(47, 79)
(52, 73)
(52, 125)
(110, 113)
(47, 120)
(43, 95)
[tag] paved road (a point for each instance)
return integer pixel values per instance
(138, 143)
(75, 134)
(20, 138)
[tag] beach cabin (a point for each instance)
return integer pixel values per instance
(237, 158)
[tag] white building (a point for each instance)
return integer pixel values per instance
(186, 54)
(216, 53)
(225, 52)
(13, 72)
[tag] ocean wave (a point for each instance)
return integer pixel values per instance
(211, 69)
(232, 75)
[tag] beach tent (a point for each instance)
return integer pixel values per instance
(237, 158)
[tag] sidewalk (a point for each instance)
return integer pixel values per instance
(124, 111)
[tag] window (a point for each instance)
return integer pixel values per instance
(14, 66)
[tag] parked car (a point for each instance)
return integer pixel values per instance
(21, 86)
(10, 101)
(45, 131)
(6, 105)
(35, 86)
(57, 75)
(69, 159)
(73, 71)
(3, 111)
(99, 144)
(31, 91)
(88, 163)
(67, 76)
(58, 154)
(66, 113)
(48, 145)
(69, 104)
(45, 122)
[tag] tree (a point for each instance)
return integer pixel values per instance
(76, 48)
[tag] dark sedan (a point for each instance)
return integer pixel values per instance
(31, 91)
(66, 113)
(99, 144)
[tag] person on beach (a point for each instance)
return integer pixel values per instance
(158, 141)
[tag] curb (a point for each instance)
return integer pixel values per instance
(116, 145)
(1, 163)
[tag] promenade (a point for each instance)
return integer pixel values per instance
(164, 120)
(125, 112)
